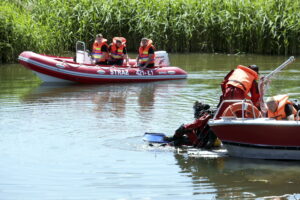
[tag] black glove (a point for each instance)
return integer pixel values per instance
(181, 130)
(169, 139)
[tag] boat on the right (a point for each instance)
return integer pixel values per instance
(248, 135)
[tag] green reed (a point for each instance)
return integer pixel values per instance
(231, 26)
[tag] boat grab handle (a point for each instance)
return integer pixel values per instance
(78, 43)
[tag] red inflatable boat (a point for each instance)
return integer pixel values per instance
(64, 69)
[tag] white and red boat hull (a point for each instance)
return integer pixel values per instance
(259, 138)
(63, 69)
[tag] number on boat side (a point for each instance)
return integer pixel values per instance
(144, 73)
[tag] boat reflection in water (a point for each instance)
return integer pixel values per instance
(111, 99)
(227, 177)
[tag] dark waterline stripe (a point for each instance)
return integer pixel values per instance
(259, 146)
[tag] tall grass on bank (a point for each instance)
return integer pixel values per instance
(231, 26)
(19, 32)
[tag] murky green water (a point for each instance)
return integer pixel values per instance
(85, 141)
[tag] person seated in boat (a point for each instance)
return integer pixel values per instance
(146, 55)
(118, 51)
(100, 50)
(238, 83)
(280, 108)
(197, 133)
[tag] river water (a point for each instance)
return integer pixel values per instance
(85, 141)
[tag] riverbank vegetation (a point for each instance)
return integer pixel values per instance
(232, 26)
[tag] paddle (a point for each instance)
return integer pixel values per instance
(155, 138)
(264, 82)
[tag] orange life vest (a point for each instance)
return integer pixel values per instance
(144, 53)
(242, 78)
(97, 53)
(117, 52)
(281, 101)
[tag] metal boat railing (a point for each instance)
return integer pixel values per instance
(82, 55)
(244, 106)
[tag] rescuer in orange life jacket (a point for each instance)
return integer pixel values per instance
(146, 55)
(280, 108)
(238, 83)
(197, 133)
(100, 50)
(118, 51)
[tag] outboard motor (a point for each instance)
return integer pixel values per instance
(82, 56)
(161, 59)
